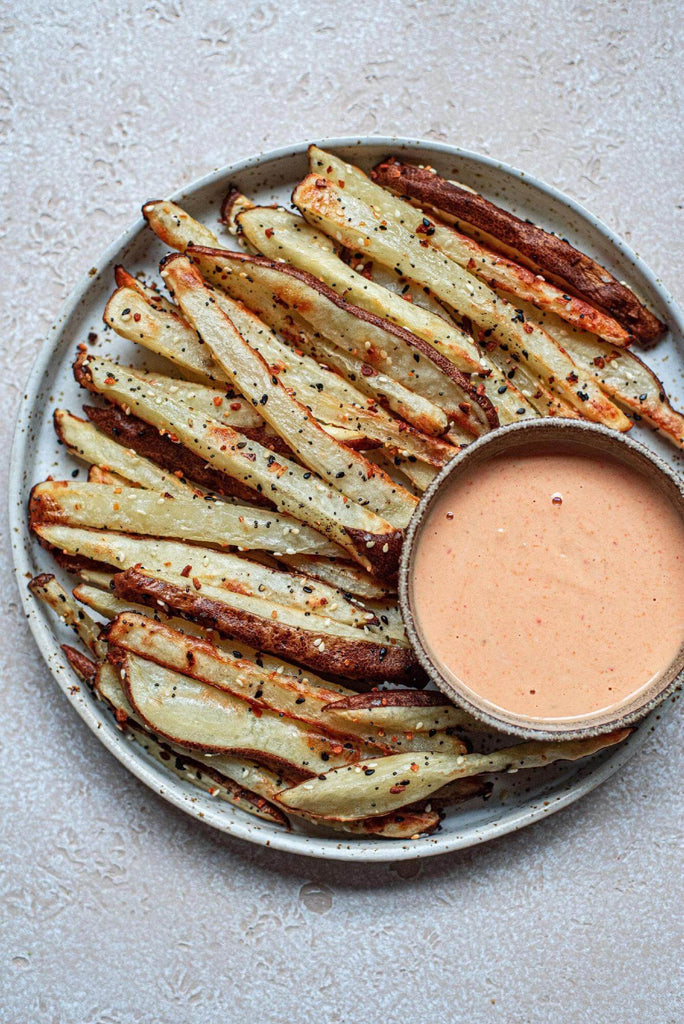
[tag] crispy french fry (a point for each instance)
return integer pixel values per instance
(324, 646)
(385, 784)
(88, 443)
(340, 212)
(554, 256)
(48, 590)
(409, 710)
(368, 538)
(66, 505)
(496, 270)
(346, 470)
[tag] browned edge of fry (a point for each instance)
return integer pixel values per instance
(83, 666)
(360, 660)
(402, 335)
(549, 252)
(390, 698)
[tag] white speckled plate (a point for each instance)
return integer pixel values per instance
(516, 800)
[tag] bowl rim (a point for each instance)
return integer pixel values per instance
(569, 431)
(197, 805)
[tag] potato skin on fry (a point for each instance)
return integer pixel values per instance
(547, 251)
(359, 661)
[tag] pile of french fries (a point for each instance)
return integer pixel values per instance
(238, 538)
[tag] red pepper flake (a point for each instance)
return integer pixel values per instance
(110, 379)
(414, 767)
(337, 749)
(236, 406)
(196, 583)
(572, 377)
(217, 400)
(269, 232)
(116, 506)
(136, 317)
(600, 362)
(186, 571)
(121, 716)
(465, 407)
(172, 437)
(409, 736)
(368, 371)
(340, 183)
(400, 788)
(527, 328)
(321, 183)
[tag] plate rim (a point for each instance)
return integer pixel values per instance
(199, 805)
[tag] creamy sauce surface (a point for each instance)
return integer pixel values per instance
(551, 585)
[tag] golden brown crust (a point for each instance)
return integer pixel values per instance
(352, 659)
(83, 666)
(549, 253)
(389, 698)
(404, 336)
(171, 456)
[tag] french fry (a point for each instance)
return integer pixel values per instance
(98, 475)
(175, 458)
(221, 570)
(93, 506)
(368, 538)
(200, 717)
(346, 470)
(620, 373)
(388, 349)
(153, 296)
(546, 252)
(408, 710)
(347, 577)
(274, 691)
(48, 590)
(324, 646)
(279, 234)
(385, 784)
(87, 442)
(496, 270)
(339, 212)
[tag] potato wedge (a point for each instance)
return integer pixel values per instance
(339, 212)
(384, 784)
(332, 649)
(349, 578)
(86, 442)
(620, 373)
(223, 571)
(409, 710)
(48, 590)
(516, 281)
(273, 691)
(172, 456)
(346, 470)
(279, 234)
(385, 347)
(546, 252)
(368, 538)
(169, 221)
(124, 279)
(201, 717)
(94, 506)
(109, 606)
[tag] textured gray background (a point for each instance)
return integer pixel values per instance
(115, 907)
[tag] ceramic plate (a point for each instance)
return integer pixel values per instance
(517, 800)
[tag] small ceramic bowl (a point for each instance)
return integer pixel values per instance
(537, 435)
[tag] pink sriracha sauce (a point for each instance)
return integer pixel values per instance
(551, 585)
